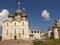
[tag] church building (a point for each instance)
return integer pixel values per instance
(17, 26)
(54, 32)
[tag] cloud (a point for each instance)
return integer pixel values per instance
(46, 15)
(4, 12)
(3, 15)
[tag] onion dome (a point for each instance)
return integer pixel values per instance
(49, 28)
(56, 20)
(11, 15)
(55, 25)
(18, 11)
(24, 13)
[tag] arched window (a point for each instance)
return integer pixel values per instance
(15, 23)
(7, 24)
(22, 23)
(31, 31)
(23, 31)
(34, 31)
(37, 31)
(7, 31)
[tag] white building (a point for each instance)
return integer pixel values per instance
(56, 29)
(35, 34)
(54, 32)
(16, 27)
(43, 35)
(49, 32)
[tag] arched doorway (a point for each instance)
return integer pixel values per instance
(15, 37)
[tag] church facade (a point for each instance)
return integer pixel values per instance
(17, 26)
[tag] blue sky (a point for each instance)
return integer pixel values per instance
(34, 9)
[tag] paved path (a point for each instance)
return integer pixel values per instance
(16, 42)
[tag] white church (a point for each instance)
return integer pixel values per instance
(17, 26)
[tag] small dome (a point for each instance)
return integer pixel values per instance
(49, 28)
(18, 11)
(24, 14)
(11, 15)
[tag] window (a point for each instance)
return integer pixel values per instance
(31, 31)
(31, 35)
(15, 31)
(15, 23)
(23, 23)
(37, 31)
(7, 24)
(7, 31)
(34, 31)
(23, 31)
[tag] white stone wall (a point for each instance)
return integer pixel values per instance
(56, 35)
(35, 35)
(18, 28)
(49, 33)
(42, 34)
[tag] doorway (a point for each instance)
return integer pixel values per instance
(15, 37)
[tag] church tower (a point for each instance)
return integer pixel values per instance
(55, 29)
(18, 13)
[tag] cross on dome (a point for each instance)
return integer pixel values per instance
(18, 11)
(19, 4)
(23, 9)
